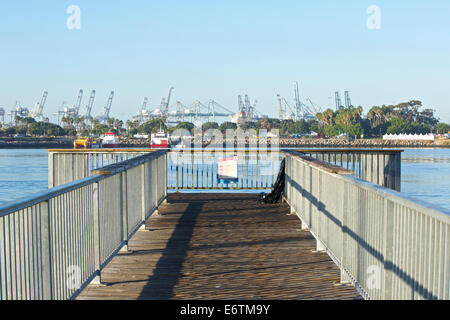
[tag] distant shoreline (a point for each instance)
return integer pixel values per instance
(40, 143)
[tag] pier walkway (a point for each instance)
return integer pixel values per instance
(221, 246)
(110, 227)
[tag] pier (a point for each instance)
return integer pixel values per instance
(137, 224)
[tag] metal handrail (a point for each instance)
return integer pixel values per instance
(71, 232)
(390, 246)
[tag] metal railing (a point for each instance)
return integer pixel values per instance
(380, 166)
(387, 245)
(198, 170)
(67, 165)
(53, 244)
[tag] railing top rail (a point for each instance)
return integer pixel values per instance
(57, 191)
(347, 150)
(101, 150)
(224, 150)
(326, 166)
(128, 164)
(426, 208)
(32, 200)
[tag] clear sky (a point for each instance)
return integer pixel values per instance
(219, 49)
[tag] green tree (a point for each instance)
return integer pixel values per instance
(10, 131)
(185, 126)
(331, 131)
(152, 126)
(398, 126)
(227, 125)
(442, 128)
(210, 125)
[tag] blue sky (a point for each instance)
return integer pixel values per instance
(219, 49)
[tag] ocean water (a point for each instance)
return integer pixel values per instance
(425, 174)
(22, 173)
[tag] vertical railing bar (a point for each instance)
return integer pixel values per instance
(96, 224)
(46, 250)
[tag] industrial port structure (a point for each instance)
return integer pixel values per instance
(196, 112)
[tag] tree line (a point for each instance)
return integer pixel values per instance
(409, 117)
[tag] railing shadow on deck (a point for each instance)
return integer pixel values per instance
(166, 280)
(414, 284)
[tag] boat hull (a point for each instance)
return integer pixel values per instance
(110, 146)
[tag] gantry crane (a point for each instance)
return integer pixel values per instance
(106, 110)
(39, 107)
(90, 105)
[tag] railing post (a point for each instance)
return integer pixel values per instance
(388, 230)
(46, 267)
(124, 208)
(96, 207)
(344, 254)
(166, 157)
(156, 176)
(144, 195)
(176, 176)
(51, 170)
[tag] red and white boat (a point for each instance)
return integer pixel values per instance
(110, 140)
(160, 140)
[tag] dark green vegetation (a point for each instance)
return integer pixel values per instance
(409, 117)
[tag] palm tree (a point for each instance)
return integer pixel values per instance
(129, 125)
(110, 122)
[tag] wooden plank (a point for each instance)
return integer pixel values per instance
(221, 246)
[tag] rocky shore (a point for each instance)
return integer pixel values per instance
(36, 143)
(326, 143)
(67, 143)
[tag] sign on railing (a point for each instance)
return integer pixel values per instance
(232, 170)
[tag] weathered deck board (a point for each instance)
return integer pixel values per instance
(221, 246)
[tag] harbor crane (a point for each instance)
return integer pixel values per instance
(78, 105)
(283, 111)
(2, 116)
(314, 108)
(338, 101)
(348, 101)
(37, 112)
(106, 110)
(18, 111)
(165, 104)
(90, 105)
(143, 114)
(299, 112)
(298, 104)
(73, 112)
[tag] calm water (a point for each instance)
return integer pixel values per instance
(425, 174)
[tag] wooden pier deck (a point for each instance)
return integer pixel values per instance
(225, 247)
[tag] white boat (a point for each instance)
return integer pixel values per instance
(110, 140)
(160, 140)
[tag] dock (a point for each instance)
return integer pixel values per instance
(161, 225)
(221, 246)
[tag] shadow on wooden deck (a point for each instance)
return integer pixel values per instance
(221, 246)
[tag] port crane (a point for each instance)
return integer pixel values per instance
(76, 110)
(2, 116)
(37, 112)
(314, 108)
(18, 111)
(106, 110)
(90, 105)
(143, 114)
(165, 104)
(302, 111)
(282, 111)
